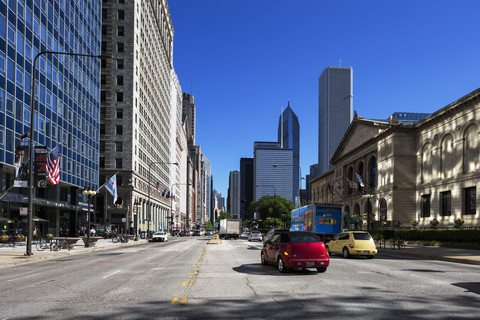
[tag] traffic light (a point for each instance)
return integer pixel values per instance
(216, 214)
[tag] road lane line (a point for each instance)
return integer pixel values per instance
(111, 274)
(174, 300)
(30, 275)
(184, 299)
(196, 272)
(191, 282)
(184, 283)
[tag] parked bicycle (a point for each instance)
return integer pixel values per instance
(64, 244)
(397, 243)
(44, 243)
(119, 238)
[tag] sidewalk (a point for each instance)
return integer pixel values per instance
(10, 256)
(467, 256)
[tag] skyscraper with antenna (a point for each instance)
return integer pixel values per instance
(289, 138)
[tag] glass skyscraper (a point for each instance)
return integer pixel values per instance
(67, 101)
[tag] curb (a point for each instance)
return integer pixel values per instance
(403, 252)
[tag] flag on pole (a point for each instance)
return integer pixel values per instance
(112, 187)
(351, 184)
(359, 179)
(53, 166)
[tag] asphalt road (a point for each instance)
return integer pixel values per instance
(186, 278)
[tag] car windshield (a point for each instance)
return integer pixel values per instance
(361, 236)
(303, 238)
(255, 232)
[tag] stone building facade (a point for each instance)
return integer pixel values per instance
(386, 171)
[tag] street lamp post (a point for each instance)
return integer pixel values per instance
(149, 186)
(89, 192)
(137, 206)
(31, 137)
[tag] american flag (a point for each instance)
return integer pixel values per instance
(53, 166)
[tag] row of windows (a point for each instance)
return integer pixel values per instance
(469, 205)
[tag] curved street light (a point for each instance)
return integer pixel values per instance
(108, 58)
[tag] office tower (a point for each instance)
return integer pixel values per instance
(66, 101)
(135, 118)
(188, 109)
(272, 173)
(335, 95)
(289, 138)
(234, 194)
(246, 185)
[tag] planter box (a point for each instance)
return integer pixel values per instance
(93, 240)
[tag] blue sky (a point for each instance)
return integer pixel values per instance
(244, 59)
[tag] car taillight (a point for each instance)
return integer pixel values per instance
(351, 246)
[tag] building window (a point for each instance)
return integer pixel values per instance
(103, 96)
(470, 200)
(119, 130)
(425, 205)
(102, 128)
(118, 163)
(102, 146)
(119, 80)
(120, 113)
(102, 162)
(118, 146)
(446, 203)
(104, 46)
(120, 47)
(119, 96)
(120, 64)
(120, 31)
(121, 15)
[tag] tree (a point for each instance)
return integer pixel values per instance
(271, 208)
(208, 225)
(225, 215)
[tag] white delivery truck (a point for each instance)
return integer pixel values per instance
(230, 228)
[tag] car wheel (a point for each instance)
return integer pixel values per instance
(281, 265)
(370, 257)
(346, 254)
(262, 258)
(249, 240)
(321, 269)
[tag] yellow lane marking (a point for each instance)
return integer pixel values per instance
(191, 282)
(189, 272)
(174, 300)
(184, 299)
(184, 283)
(193, 265)
(195, 272)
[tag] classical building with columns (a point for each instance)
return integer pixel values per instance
(403, 170)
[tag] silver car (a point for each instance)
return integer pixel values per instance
(255, 235)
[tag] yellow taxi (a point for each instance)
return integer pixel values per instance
(353, 243)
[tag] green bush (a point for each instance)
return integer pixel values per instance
(430, 235)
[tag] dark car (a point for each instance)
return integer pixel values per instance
(197, 233)
(298, 249)
(270, 233)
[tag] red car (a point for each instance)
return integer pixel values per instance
(299, 250)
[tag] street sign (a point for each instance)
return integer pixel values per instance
(23, 211)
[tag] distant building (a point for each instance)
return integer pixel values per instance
(234, 194)
(246, 185)
(270, 180)
(335, 95)
(289, 138)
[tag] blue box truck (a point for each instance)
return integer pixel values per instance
(321, 218)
